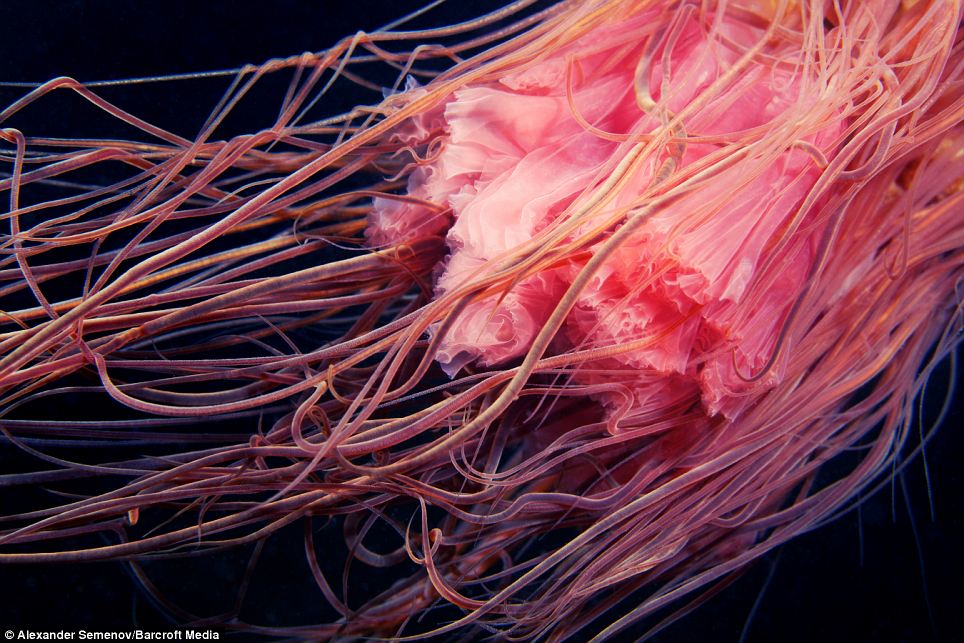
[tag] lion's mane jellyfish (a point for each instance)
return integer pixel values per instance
(572, 316)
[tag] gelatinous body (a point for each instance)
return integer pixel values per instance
(588, 308)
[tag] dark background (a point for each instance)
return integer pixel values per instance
(864, 578)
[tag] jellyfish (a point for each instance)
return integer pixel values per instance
(590, 307)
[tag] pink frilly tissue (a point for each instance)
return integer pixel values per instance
(514, 157)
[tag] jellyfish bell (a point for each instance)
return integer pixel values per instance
(508, 186)
(614, 301)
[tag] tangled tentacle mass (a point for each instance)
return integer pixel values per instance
(577, 311)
